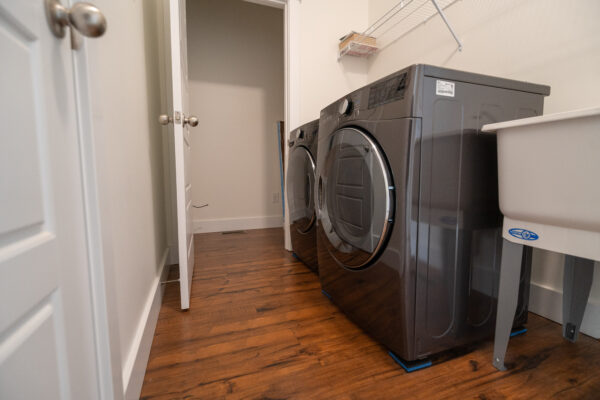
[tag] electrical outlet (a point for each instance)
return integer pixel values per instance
(275, 197)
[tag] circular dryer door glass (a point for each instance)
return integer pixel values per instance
(301, 180)
(356, 198)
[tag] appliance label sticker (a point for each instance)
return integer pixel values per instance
(444, 88)
(523, 234)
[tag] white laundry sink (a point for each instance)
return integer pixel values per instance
(549, 181)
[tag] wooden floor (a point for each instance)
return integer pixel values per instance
(259, 328)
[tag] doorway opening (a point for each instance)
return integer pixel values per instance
(236, 65)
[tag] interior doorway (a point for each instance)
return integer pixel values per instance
(236, 64)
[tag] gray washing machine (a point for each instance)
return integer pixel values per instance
(300, 185)
(408, 222)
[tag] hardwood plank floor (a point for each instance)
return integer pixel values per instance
(259, 328)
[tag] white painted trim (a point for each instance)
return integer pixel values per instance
(234, 224)
(547, 302)
(134, 367)
(292, 93)
(98, 228)
(269, 3)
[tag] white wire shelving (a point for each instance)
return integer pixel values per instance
(402, 19)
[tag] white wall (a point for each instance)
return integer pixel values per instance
(125, 101)
(543, 41)
(322, 78)
(236, 80)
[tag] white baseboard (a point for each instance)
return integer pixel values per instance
(135, 364)
(547, 302)
(234, 224)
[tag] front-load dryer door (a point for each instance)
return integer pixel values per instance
(301, 180)
(355, 198)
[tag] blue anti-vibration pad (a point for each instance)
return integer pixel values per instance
(518, 331)
(326, 294)
(411, 366)
(295, 255)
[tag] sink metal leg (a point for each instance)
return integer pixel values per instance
(508, 296)
(577, 282)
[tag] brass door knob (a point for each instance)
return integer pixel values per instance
(164, 119)
(86, 18)
(191, 121)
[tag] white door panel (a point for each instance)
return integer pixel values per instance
(46, 323)
(178, 92)
(32, 343)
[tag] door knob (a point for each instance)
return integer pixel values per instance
(85, 17)
(191, 121)
(164, 119)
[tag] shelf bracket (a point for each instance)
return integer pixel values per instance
(441, 12)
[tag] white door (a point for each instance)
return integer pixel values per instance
(46, 321)
(178, 82)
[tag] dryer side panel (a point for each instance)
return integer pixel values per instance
(459, 217)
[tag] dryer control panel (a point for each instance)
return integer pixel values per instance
(389, 90)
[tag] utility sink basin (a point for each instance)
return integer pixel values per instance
(549, 181)
(549, 190)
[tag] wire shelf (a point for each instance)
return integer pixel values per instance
(403, 18)
(356, 44)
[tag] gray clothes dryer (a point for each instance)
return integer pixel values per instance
(408, 222)
(300, 186)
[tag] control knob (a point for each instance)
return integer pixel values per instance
(345, 107)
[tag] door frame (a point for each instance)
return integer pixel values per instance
(291, 40)
(98, 230)
(291, 44)
(98, 227)
(291, 119)
(291, 92)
